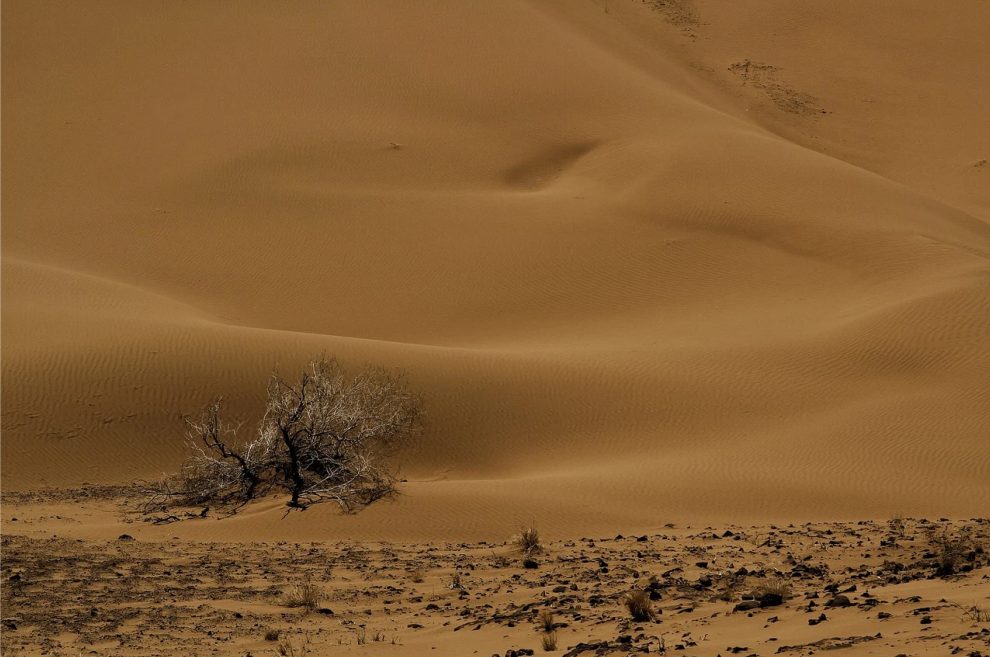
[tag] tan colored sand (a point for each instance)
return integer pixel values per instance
(713, 260)
(150, 594)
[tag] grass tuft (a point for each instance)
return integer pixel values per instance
(528, 540)
(639, 605)
(302, 595)
(546, 620)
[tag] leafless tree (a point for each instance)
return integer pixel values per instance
(326, 437)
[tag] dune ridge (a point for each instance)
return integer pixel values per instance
(630, 288)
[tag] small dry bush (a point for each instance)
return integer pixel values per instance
(773, 586)
(287, 648)
(549, 641)
(897, 525)
(950, 551)
(327, 436)
(639, 605)
(528, 541)
(302, 595)
(977, 614)
(546, 620)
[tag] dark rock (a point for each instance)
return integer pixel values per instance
(125, 537)
(839, 601)
(771, 600)
(747, 605)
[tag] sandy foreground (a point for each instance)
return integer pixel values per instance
(898, 587)
(661, 269)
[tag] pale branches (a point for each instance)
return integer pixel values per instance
(325, 437)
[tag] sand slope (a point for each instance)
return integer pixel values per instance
(635, 277)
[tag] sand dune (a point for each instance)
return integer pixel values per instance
(635, 278)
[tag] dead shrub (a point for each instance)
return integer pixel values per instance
(772, 586)
(302, 595)
(950, 552)
(528, 541)
(326, 437)
(546, 620)
(639, 605)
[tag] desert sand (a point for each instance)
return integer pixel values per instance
(648, 262)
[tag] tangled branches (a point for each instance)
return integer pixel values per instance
(326, 437)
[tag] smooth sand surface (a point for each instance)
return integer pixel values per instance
(646, 261)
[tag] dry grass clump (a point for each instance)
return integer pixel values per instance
(288, 649)
(950, 551)
(528, 541)
(639, 605)
(457, 583)
(546, 620)
(361, 637)
(302, 595)
(773, 586)
(977, 614)
(549, 641)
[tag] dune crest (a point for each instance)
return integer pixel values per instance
(642, 263)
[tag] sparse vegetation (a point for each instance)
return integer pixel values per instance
(546, 620)
(586, 589)
(977, 614)
(639, 605)
(549, 641)
(302, 595)
(528, 541)
(326, 437)
(286, 648)
(897, 525)
(775, 586)
(950, 552)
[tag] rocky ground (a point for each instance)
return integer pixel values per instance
(898, 587)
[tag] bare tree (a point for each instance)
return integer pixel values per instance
(327, 436)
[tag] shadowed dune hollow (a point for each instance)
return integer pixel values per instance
(645, 261)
